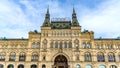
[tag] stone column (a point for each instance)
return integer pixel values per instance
(7, 57)
(116, 57)
(93, 66)
(81, 57)
(17, 57)
(106, 57)
(28, 57)
(94, 58)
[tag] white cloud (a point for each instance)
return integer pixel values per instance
(16, 20)
(12, 19)
(105, 20)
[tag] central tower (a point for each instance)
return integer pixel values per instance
(60, 23)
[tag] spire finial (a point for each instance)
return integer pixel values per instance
(48, 10)
(73, 9)
(47, 13)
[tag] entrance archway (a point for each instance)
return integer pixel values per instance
(60, 62)
(10, 66)
(33, 66)
(20, 66)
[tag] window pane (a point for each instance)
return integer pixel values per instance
(70, 45)
(88, 66)
(77, 66)
(51, 45)
(60, 44)
(65, 45)
(56, 45)
(102, 66)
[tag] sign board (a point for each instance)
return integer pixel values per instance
(60, 19)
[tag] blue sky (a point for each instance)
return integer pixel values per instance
(18, 17)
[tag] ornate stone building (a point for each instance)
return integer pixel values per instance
(60, 44)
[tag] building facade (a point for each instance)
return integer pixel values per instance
(60, 44)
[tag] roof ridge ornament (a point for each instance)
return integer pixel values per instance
(48, 10)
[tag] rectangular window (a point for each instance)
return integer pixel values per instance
(34, 58)
(12, 58)
(22, 58)
(2, 58)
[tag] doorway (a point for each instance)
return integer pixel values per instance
(60, 62)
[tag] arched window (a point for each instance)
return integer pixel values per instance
(88, 57)
(88, 45)
(1, 66)
(97, 46)
(69, 45)
(10, 66)
(111, 57)
(116, 46)
(33, 66)
(2, 56)
(110, 46)
(77, 57)
(77, 46)
(83, 45)
(45, 44)
(65, 44)
(34, 57)
(20, 66)
(101, 46)
(77, 66)
(107, 46)
(113, 66)
(43, 66)
(102, 66)
(12, 56)
(88, 66)
(51, 45)
(56, 44)
(100, 57)
(38, 45)
(33, 45)
(60, 45)
(22, 56)
(54, 33)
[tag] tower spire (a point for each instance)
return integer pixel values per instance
(47, 14)
(48, 10)
(74, 18)
(74, 10)
(47, 19)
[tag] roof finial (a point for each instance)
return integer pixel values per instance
(48, 10)
(73, 9)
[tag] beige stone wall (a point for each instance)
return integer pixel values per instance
(49, 35)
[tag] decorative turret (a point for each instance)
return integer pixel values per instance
(47, 19)
(74, 19)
